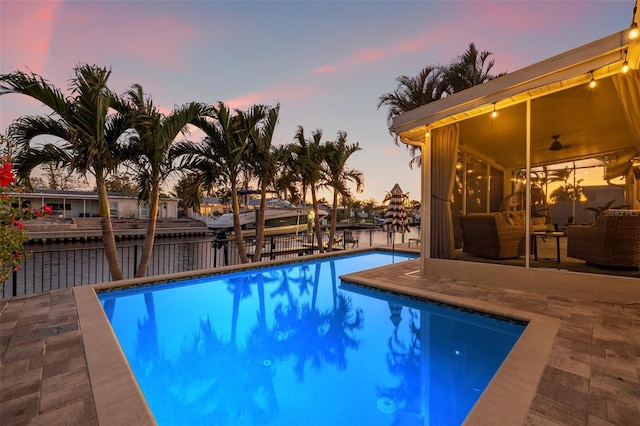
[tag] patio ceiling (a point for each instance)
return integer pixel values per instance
(590, 122)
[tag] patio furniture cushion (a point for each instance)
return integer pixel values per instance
(489, 235)
(612, 240)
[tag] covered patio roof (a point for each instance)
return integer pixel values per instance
(590, 122)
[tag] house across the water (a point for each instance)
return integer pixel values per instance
(74, 204)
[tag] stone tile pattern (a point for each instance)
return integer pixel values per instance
(592, 376)
(44, 378)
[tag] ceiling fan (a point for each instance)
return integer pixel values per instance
(556, 145)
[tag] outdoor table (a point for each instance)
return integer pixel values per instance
(556, 235)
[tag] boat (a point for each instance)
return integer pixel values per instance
(281, 217)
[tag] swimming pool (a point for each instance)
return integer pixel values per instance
(291, 344)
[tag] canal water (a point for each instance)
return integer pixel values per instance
(61, 265)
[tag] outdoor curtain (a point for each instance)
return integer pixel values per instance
(444, 155)
(628, 86)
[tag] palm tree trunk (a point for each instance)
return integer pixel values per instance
(108, 238)
(260, 225)
(237, 229)
(334, 219)
(316, 219)
(150, 238)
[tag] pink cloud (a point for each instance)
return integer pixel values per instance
(522, 16)
(271, 96)
(26, 33)
(84, 32)
(324, 69)
(419, 43)
(367, 55)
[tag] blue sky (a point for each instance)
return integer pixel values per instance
(326, 62)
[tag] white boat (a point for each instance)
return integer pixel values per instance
(281, 217)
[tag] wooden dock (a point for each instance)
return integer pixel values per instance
(86, 230)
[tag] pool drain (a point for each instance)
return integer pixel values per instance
(266, 362)
(386, 405)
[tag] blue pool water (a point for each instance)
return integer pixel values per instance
(292, 345)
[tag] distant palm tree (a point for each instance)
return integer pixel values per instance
(337, 174)
(149, 153)
(310, 155)
(188, 190)
(88, 134)
(286, 179)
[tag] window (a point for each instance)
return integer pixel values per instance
(113, 208)
(479, 187)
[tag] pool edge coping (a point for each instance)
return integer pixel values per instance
(508, 396)
(506, 400)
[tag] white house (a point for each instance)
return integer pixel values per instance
(71, 204)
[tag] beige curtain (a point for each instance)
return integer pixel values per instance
(444, 155)
(628, 86)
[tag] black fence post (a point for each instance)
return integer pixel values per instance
(14, 286)
(135, 259)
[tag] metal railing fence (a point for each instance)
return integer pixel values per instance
(46, 270)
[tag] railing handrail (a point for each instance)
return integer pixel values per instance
(45, 270)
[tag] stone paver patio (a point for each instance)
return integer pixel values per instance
(589, 376)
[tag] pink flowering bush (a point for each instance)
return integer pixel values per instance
(12, 234)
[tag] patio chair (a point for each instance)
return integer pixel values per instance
(489, 235)
(612, 240)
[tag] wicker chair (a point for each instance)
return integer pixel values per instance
(489, 235)
(612, 240)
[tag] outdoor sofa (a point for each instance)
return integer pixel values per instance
(612, 240)
(490, 235)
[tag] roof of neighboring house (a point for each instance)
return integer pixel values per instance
(77, 194)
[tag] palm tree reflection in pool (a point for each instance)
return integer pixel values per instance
(231, 382)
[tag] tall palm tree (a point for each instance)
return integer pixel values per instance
(224, 151)
(88, 134)
(149, 153)
(309, 156)
(413, 92)
(264, 163)
(468, 70)
(337, 174)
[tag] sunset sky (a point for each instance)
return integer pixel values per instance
(326, 62)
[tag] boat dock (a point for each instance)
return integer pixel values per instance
(89, 229)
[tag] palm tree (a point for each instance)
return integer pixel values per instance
(434, 82)
(188, 190)
(285, 179)
(309, 156)
(468, 70)
(149, 153)
(222, 155)
(337, 175)
(89, 135)
(264, 163)
(413, 92)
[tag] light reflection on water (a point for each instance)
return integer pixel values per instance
(293, 345)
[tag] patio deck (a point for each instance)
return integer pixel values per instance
(56, 369)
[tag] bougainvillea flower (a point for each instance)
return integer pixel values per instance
(6, 174)
(47, 210)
